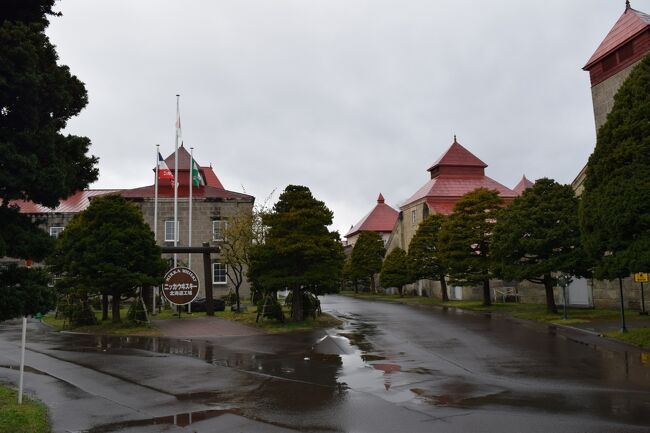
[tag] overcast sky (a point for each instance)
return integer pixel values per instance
(348, 97)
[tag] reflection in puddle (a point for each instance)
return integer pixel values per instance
(180, 420)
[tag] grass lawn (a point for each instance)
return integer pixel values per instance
(246, 318)
(535, 312)
(637, 336)
(104, 328)
(30, 417)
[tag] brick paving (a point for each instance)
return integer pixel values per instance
(204, 327)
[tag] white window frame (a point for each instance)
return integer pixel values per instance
(214, 273)
(223, 226)
(55, 231)
(414, 216)
(170, 238)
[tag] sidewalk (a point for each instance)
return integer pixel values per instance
(603, 326)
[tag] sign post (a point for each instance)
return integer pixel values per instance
(180, 286)
(642, 277)
(22, 362)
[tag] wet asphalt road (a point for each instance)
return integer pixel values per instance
(389, 368)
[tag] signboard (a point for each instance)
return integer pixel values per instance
(181, 286)
(641, 277)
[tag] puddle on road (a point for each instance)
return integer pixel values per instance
(180, 420)
(345, 359)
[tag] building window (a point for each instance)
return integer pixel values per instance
(413, 217)
(219, 230)
(55, 231)
(169, 231)
(219, 273)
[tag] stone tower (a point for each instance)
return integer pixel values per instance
(626, 44)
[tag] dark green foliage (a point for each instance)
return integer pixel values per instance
(310, 303)
(615, 212)
(24, 292)
(136, 312)
(269, 308)
(394, 271)
(425, 260)
(466, 237)
(108, 247)
(22, 238)
(366, 258)
(299, 252)
(37, 98)
(538, 235)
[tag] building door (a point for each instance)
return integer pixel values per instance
(578, 293)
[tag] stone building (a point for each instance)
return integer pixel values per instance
(380, 219)
(455, 173)
(212, 205)
(626, 44)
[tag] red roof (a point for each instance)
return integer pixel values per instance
(210, 177)
(456, 173)
(457, 155)
(184, 157)
(523, 185)
(629, 25)
(184, 191)
(382, 218)
(73, 204)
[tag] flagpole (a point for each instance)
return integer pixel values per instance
(154, 290)
(178, 127)
(189, 237)
(155, 197)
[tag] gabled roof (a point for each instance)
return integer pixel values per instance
(381, 218)
(77, 202)
(210, 177)
(458, 156)
(184, 157)
(629, 25)
(523, 185)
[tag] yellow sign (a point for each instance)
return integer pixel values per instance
(645, 357)
(641, 277)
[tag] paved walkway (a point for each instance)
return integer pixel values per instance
(205, 327)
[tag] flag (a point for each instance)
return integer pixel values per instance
(197, 179)
(164, 173)
(179, 135)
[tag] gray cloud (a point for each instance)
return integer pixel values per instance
(347, 97)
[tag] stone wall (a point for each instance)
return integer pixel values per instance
(602, 94)
(204, 212)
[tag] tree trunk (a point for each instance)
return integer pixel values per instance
(297, 312)
(487, 299)
(373, 289)
(237, 297)
(443, 288)
(116, 307)
(550, 297)
(104, 306)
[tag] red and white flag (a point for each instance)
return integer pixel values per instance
(164, 173)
